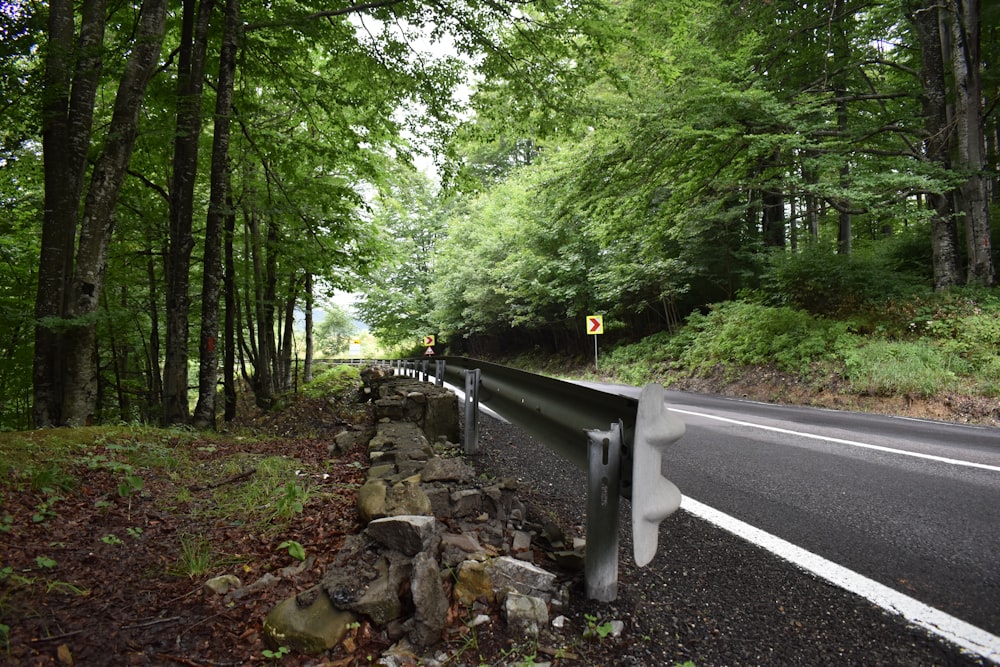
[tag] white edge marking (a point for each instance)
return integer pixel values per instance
(840, 441)
(966, 636)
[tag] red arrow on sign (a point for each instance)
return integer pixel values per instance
(595, 324)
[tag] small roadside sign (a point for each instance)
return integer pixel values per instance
(355, 347)
(429, 340)
(595, 326)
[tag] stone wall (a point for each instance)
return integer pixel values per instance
(438, 543)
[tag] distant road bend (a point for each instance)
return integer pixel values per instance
(911, 506)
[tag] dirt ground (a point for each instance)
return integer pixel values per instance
(98, 578)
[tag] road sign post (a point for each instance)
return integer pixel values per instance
(595, 327)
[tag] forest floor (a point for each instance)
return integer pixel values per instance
(103, 559)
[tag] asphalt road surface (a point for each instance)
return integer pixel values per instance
(911, 504)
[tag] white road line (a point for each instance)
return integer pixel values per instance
(966, 636)
(840, 441)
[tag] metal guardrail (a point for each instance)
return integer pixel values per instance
(617, 439)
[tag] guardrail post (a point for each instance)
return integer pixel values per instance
(603, 475)
(439, 372)
(472, 410)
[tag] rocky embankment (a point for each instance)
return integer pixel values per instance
(444, 550)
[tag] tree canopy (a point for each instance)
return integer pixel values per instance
(178, 180)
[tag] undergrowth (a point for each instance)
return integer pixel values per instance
(916, 345)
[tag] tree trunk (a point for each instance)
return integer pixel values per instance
(70, 86)
(263, 358)
(307, 367)
(841, 58)
(926, 20)
(155, 382)
(190, 77)
(287, 337)
(80, 398)
(229, 355)
(970, 139)
(208, 372)
(774, 219)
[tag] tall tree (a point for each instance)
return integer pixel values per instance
(970, 138)
(190, 83)
(84, 290)
(73, 66)
(208, 371)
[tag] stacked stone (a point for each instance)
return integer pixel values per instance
(437, 540)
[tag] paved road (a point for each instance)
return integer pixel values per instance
(911, 504)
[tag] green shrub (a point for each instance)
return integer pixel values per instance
(335, 381)
(886, 368)
(740, 333)
(819, 281)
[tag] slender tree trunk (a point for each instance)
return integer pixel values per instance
(229, 358)
(190, 76)
(841, 58)
(307, 367)
(774, 219)
(288, 338)
(970, 139)
(263, 315)
(72, 74)
(80, 399)
(208, 375)
(155, 382)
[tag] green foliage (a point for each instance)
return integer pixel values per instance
(335, 382)
(332, 336)
(596, 630)
(883, 367)
(638, 363)
(295, 550)
(45, 562)
(195, 558)
(276, 655)
(737, 333)
(819, 281)
(291, 501)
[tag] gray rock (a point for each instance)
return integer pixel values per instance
(407, 534)
(372, 500)
(404, 438)
(382, 601)
(510, 574)
(458, 548)
(381, 470)
(439, 469)
(222, 584)
(429, 601)
(441, 415)
(308, 629)
(526, 615)
(521, 542)
(466, 502)
(406, 497)
(440, 498)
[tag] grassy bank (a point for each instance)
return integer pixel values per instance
(933, 348)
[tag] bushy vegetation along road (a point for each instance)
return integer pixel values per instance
(936, 356)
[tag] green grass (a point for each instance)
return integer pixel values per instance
(887, 368)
